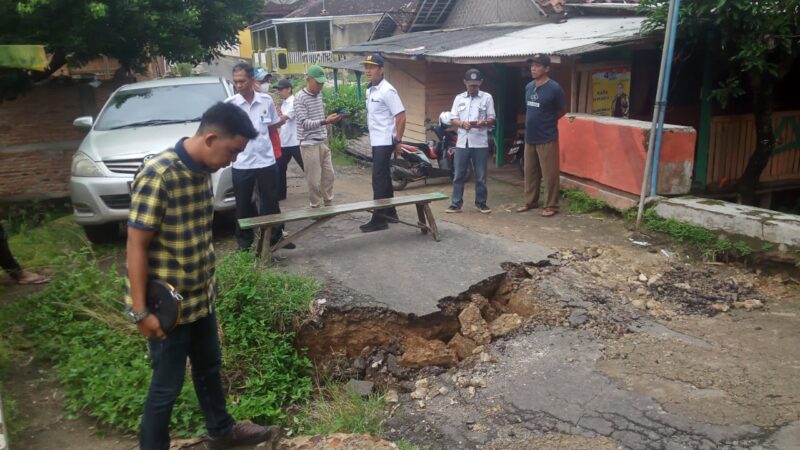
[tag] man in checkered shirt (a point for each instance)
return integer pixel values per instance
(169, 238)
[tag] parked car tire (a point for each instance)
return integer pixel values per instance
(100, 234)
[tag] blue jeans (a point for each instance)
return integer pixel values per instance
(480, 159)
(199, 341)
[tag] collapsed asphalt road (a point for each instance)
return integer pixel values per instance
(636, 352)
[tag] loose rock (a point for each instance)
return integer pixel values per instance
(473, 326)
(505, 324)
(391, 396)
(360, 387)
(461, 346)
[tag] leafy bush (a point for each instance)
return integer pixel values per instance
(256, 310)
(184, 69)
(347, 100)
(103, 363)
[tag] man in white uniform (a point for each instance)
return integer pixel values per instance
(256, 165)
(473, 114)
(386, 118)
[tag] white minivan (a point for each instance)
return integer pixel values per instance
(138, 120)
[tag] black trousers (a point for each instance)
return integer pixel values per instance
(382, 179)
(287, 153)
(244, 182)
(7, 261)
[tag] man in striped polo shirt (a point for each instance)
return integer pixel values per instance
(313, 137)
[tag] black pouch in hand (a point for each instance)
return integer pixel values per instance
(164, 302)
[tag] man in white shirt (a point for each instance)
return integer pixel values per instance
(386, 118)
(290, 145)
(256, 165)
(473, 114)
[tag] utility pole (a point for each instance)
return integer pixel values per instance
(659, 108)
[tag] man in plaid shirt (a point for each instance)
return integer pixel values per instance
(169, 239)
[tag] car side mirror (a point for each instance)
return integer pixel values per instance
(84, 122)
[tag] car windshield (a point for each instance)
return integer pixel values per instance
(159, 105)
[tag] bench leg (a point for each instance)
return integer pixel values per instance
(432, 222)
(261, 248)
(421, 216)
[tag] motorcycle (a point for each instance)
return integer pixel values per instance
(516, 154)
(416, 159)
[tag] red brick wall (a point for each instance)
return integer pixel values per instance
(37, 138)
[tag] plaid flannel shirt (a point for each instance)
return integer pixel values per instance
(172, 196)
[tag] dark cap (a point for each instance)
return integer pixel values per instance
(473, 75)
(374, 59)
(540, 59)
(284, 84)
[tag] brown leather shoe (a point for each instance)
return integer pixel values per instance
(243, 433)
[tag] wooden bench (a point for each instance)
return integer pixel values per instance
(426, 223)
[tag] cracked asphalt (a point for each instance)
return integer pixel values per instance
(665, 383)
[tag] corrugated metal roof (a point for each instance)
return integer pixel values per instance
(551, 38)
(505, 42)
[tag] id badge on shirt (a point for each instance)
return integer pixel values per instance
(533, 103)
(265, 119)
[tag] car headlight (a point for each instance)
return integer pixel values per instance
(83, 166)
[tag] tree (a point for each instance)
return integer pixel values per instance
(131, 31)
(755, 44)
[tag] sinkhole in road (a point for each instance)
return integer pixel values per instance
(463, 326)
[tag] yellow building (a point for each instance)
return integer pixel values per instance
(245, 44)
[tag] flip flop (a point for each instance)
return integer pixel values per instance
(524, 208)
(32, 278)
(549, 213)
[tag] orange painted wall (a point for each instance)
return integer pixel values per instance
(612, 152)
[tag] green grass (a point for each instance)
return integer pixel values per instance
(580, 202)
(703, 240)
(406, 445)
(339, 410)
(10, 414)
(338, 143)
(102, 362)
(48, 245)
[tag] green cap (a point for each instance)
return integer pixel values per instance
(317, 74)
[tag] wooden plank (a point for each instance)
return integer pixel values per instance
(326, 211)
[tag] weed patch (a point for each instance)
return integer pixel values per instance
(580, 202)
(103, 363)
(339, 410)
(703, 240)
(48, 245)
